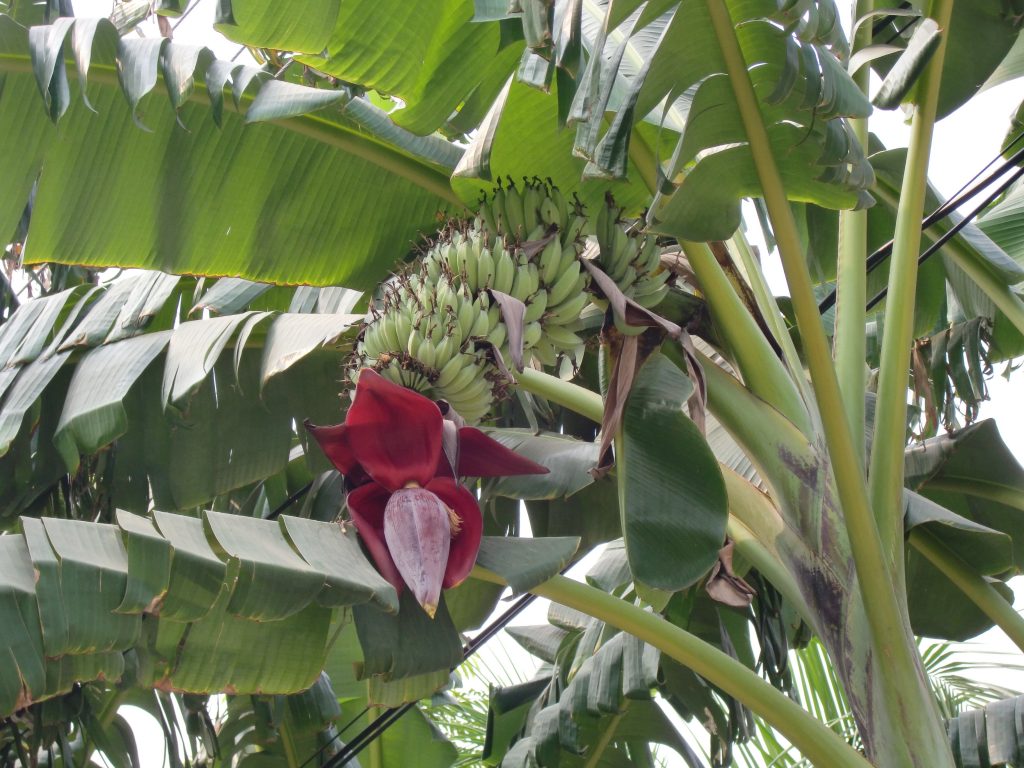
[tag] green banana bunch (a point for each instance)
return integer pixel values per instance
(428, 335)
(435, 325)
(629, 257)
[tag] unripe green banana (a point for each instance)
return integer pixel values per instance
(545, 353)
(484, 271)
(561, 290)
(498, 211)
(486, 221)
(514, 211)
(531, 206)
(504, 271)
(535, 306)
(549, 262)
(654, 298)
(426, 352)
(549, 213)
(568, 311)
(497, 335)
(446, 375)
(560, 336)
(531, 334)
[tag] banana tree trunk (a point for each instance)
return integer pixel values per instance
(898, 727)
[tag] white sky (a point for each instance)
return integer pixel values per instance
(964, 143)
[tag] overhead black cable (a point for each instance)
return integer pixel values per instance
(389, 717)
(965, 193)
(947, 236)
(290, 500)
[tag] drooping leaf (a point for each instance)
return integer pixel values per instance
(672, 497)
(525, 563)
(187, 201)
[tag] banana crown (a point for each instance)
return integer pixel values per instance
(437, 328)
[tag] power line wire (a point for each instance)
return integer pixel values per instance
(965, 193)
(389, 717)
(947, 236)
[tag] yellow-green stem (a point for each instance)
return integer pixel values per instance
(890, 435)
(375, 749)
(770, 311)
(897, 654)
(607, 735)
(822, 746)
(849, 341)
(572, 396)
(977, 590)
(761, 368)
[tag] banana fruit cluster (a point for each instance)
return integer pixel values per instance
(630, 257)
(437, 325)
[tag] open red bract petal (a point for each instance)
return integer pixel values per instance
(366, 505)
(335, 446)
(466, 543)
(393, 432)
(483, 456)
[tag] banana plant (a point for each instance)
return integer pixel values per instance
(544, 222)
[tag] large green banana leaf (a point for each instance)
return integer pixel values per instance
(187, 594)
(335, 197)
(176, 408)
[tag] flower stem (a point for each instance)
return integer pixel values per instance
(572, 396)
(817, 742)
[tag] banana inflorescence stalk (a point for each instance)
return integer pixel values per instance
(437, 327)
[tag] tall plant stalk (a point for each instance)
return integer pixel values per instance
(850, 344)
(918, 738)
(890, 435)
(814, 739)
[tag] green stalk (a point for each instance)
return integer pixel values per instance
(819, 744)
(979, 591)
(572, 396)
(905, 689)
(890, 436)
(764, 433)
(375, 749)
(770, 311)
(761, 368)
(607, 735)
(849, 341)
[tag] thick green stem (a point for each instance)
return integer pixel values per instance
(890, 435)
(761, 368)
(820, 745)
(849, 341)
(770, 311)
(978, 591)
(905, 690)
(572, 396)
